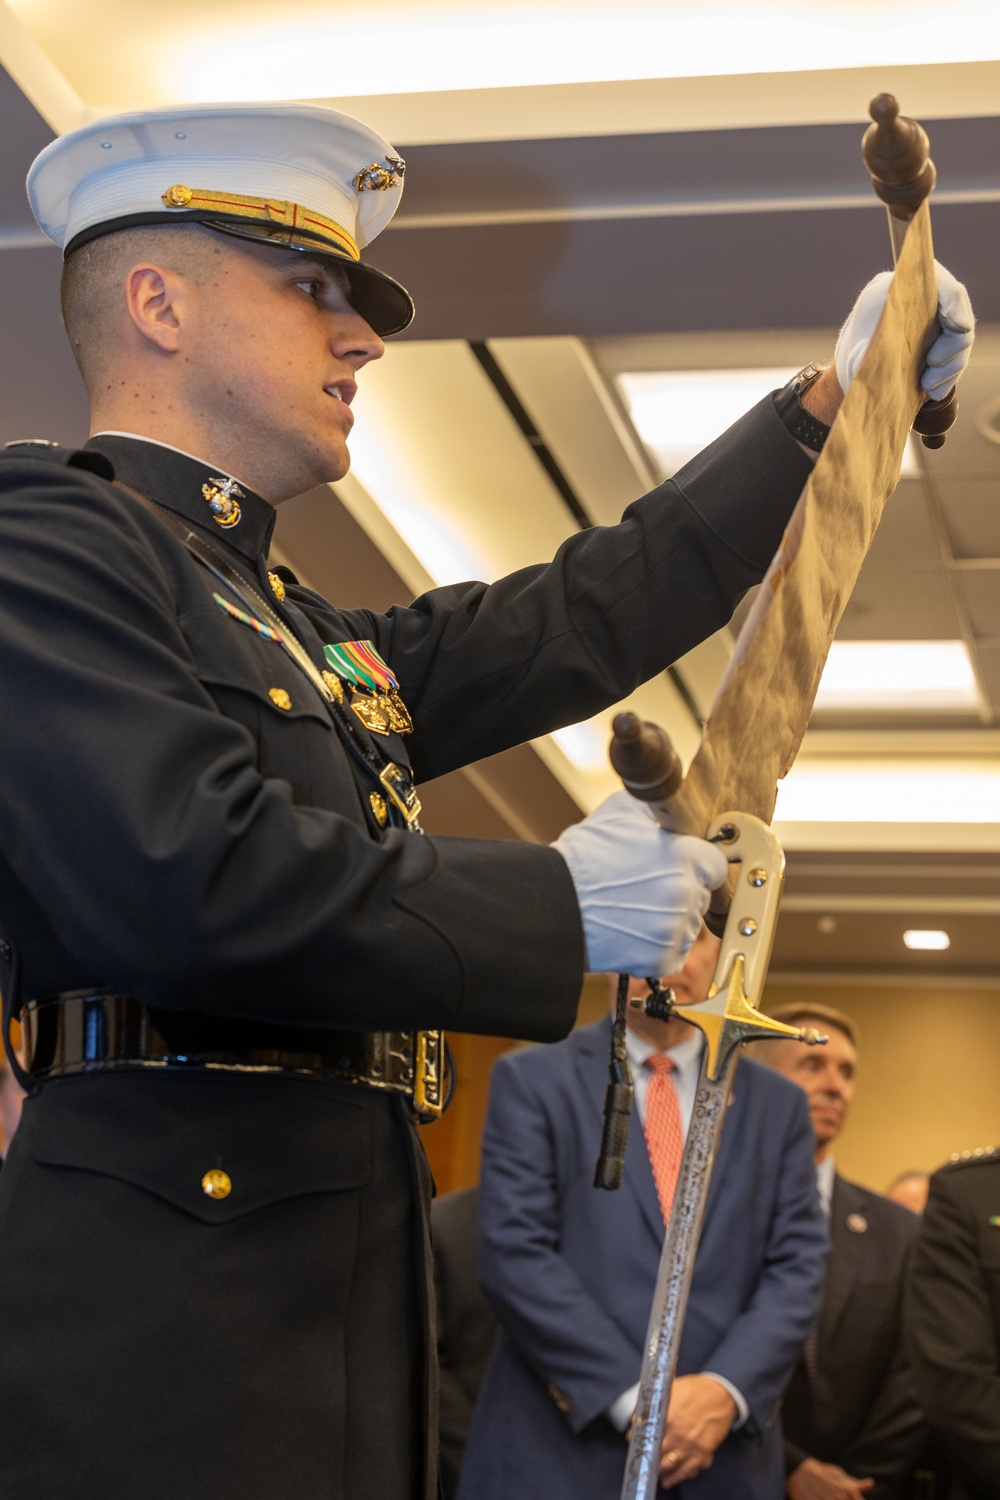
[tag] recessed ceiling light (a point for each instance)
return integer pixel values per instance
(890, 791)
(586, 744)
(677, 413)
(929, 941)
(898, 676)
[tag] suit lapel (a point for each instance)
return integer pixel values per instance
(847, 1252)
(592, 1063)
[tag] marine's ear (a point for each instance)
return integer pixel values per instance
(154, 299)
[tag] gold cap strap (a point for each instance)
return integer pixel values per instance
(270, 210)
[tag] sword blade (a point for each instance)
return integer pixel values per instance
(673, 1280)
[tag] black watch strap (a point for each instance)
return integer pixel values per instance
(803, 426)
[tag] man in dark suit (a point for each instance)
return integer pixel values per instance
(853, 1426)
(570, 1271)
(953, 1319)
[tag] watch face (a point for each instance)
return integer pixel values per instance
(802, 425)
(805, 378)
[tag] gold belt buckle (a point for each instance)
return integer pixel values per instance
(429, 1085)
(402, 794)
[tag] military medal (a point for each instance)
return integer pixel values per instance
(222, 497)
(371, 712)
(375, 698)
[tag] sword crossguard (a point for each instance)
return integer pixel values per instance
(729, 1016)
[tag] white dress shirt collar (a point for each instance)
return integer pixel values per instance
(826, 1171)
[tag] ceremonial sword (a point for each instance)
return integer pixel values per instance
(644, 758)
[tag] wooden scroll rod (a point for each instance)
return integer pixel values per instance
(897, 151)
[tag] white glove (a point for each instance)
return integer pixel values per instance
(948, 355)
(642, 891)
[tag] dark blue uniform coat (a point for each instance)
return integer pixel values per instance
(168, 829)
(570, 1271)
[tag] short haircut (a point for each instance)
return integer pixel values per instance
(914, 1172)
(798, 1011)
(93, 278)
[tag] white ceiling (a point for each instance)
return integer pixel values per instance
(114, 53)
(479, 70)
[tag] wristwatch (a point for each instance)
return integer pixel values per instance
(803, 426)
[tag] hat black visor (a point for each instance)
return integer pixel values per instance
(386, 306)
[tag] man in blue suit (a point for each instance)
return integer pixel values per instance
(570, 1272)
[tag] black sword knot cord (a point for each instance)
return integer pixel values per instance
(618, 1099)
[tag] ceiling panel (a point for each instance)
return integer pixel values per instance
(572, 406)
(668, 274)
(616, 175)
(904, 603)
(981, 591)
(872, 942)
(989, 657)
(440, 452)
(905, 537)
(970, 505)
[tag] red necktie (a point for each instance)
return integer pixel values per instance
(664, 1132)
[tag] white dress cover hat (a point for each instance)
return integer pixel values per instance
(295, 175)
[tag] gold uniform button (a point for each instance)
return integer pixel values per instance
(379, 809)
(279, 698)
(177, 196)
(277, 586)
(335, 685)
(216, 1184)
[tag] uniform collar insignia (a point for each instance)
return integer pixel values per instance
(223, 497)
(208, 499)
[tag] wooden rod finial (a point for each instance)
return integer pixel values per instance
(645, 759)
(897, 154)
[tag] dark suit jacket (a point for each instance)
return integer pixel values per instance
(183, 818)
(570, 1271)
(860, 1411)
(466, 1325)
(953, 1320)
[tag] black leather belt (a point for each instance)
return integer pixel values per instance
(84, 1032)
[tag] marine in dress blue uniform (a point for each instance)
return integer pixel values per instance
(953, 1318)
(224, 929)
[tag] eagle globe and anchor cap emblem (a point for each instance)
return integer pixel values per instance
(376, 179)
(222, 497)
